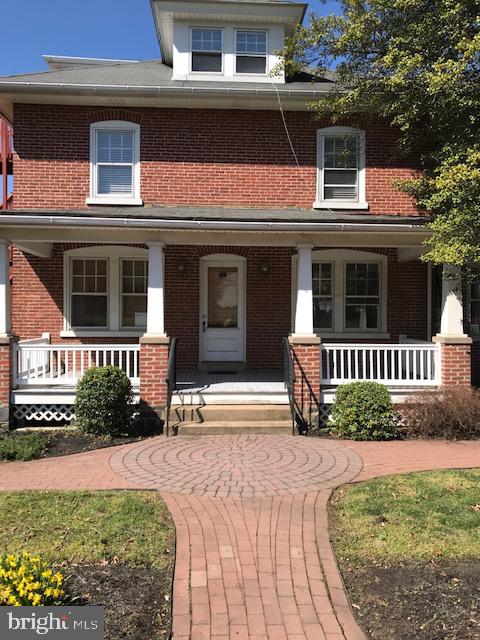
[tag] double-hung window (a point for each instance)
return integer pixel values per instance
(134, 282)
(89, 287)
(207, 50)
(341, 168)
(362, 295)
(475, 305)
(322, 282)
(251, 52)
(350, 292)
(105, 290)
(115, 163)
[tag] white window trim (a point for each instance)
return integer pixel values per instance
(320, 202)
(113, 254)
(191, 52)
(267, 56)
(339, 258)
(127, 199)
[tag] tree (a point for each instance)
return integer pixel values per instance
(416, 64)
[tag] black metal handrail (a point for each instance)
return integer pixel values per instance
(289, 379)
(171, 381)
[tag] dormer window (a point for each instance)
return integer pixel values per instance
(251, 52)
(207, 50)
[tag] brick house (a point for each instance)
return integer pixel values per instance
(197, 198)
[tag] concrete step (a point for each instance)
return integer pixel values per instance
(230, 398)
(279, 427)
(230, 413)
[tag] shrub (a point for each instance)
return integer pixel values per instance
(25, 446)
(104, 400)
(26, 580)
(452, 413)
(363, 411)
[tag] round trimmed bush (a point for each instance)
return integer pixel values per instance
(364, 411)
(104, 402)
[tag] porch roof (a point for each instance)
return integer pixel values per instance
(347, 217)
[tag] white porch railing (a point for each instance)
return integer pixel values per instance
(399, 365)
(50, 364)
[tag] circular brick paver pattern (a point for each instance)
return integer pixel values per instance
(237, 466)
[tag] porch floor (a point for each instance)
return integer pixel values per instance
(248, 381)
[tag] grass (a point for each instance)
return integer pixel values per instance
(87, 527)
(28, 446)
(422, 516)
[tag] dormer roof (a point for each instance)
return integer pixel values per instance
(254, 12)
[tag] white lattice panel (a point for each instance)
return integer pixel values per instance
(44, 412)
(324, 411)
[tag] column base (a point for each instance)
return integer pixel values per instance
(155, 338)
(304, 338)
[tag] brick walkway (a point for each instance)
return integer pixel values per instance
(253, 554)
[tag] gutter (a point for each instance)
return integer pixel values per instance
(56, 87)
(210, 225)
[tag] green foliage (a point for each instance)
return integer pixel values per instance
(26, 580)
(363, 411)
(27, 446)
(415, 64)
(104, 402)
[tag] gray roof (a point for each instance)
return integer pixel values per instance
(230, 214)
(150, 73)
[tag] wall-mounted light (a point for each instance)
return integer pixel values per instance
(181, 266)
(264, 267)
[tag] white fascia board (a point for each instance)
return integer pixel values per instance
(227, 225)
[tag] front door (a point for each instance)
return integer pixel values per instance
(222, 309)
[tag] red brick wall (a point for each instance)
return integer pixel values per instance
(153, 371)
(456, 365)
(5, 374)
(37, 299)
(268, 308)
(192, 157)
(307, 366)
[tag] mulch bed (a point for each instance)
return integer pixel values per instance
(416, 601)
(137, 600)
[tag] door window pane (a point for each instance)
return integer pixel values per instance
(222, 297)
(322, 280)
(362, 300)
(134, 283)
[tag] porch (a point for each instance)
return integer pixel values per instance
(227, 307)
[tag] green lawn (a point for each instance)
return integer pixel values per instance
(88, 527)
(422, 516)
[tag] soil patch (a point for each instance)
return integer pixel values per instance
(136, 599)
(416, 601)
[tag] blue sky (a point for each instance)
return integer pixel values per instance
(91, 28)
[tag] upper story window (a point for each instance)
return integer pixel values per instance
(341, 169)
(207, 50)
(251, 52)
(114, 163)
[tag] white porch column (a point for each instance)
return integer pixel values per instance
(155, 297)
(4, 288)
(304, 307)
(452, 303)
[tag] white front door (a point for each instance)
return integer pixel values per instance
(222, 309)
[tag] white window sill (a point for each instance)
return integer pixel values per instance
(101, 334)
(351, 336)
(336, 204)
(114, 201)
